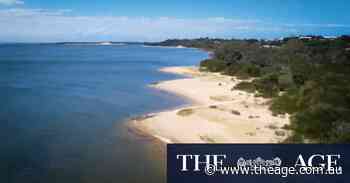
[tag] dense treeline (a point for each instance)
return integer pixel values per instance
(307, 78)
(202, 43)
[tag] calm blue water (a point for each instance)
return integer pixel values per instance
(63, 111)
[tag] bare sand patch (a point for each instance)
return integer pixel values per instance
(219, 114)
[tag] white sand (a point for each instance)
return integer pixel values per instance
(210, 119)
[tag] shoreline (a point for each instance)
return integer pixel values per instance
(216, 113)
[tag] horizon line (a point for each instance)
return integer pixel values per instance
(141, 42)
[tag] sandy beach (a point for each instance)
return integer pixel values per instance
(217, 114)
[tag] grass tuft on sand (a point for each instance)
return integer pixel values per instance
(185, 112)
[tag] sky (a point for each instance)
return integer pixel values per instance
(156, 20)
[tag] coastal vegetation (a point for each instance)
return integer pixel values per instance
(307, 77)
(185, 112)
(203, 43)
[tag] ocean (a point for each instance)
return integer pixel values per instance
(63, 110)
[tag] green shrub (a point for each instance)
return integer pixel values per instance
(324, 123)
(294, 139)
(285, 81)
(213, 65)
(243, 71)
(232, 70)
(267, 85)
(245, 86)
(286, 103)
(301, 71)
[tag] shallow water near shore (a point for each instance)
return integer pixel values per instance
(63, 111)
